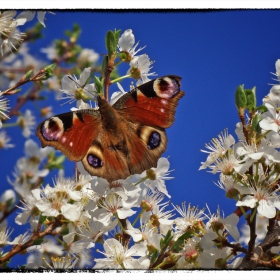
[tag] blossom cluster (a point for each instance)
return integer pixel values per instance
(87, 222)
(249, 168)
(130, 219)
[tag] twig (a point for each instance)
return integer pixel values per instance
(251, 244)
(235, 247)
(22, 247)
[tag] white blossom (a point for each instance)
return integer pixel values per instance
(118, 257)
(76, 89)
(4, 140)
(217, 148)
(27, 123)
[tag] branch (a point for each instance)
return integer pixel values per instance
(22, 100)
(22, 247)
(235, 247)
(271, 238)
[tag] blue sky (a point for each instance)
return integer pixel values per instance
(213, 52)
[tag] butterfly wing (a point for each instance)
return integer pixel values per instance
(153, 103)
(72, 133)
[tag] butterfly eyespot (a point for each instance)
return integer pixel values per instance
(166, 87)
(94, 161)
(52, 129)
(154, 140)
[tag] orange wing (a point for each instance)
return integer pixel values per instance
(72, 133)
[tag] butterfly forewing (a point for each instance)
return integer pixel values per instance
(72, 133)
(153, 103)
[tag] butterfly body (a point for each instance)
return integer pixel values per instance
(116, 141)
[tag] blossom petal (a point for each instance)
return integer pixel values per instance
(266, 209)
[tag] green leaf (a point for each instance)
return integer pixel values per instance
(104, 66)
(42, 219)
(28, 74)
(117, 36)
(262, 109)
(240, 97)
(255, 124)
(179, 243)
(98, 84)
(154, 256)
(110, 43)
(38, 241)
(56, 162)
(251, 99)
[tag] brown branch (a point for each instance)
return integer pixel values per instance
(107, 81)
(268, 264)
(22, 100)
(6, 214)
(253, 236)
(262, 249)
(23, 81)
(235, 247)
(159, 260)
(22, 247)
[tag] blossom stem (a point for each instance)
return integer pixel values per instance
(121, 78)
(118, 63)
(123, 267)
(137, 218)
(119, 223)
(59, 240)
(254, 213)
(262, 136)
(142, 180)
(241, 208)
(10, 124)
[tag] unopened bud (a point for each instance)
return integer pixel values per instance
(27, 75)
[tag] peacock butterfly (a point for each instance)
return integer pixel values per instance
(117, 141)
